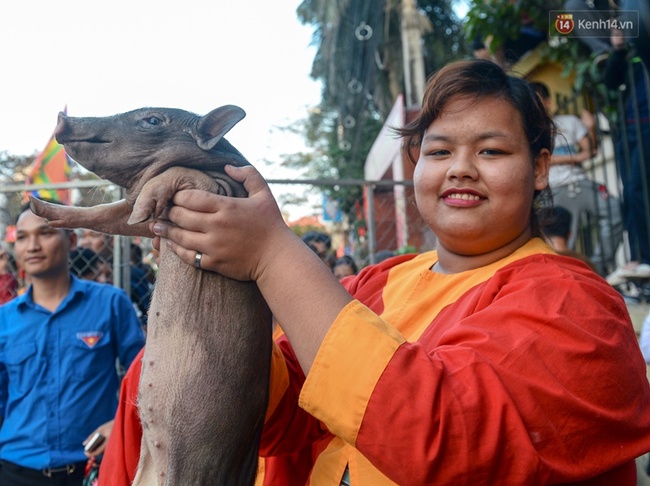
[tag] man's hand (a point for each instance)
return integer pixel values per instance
(97, 449)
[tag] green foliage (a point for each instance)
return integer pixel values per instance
(502, 21)
(359, 62)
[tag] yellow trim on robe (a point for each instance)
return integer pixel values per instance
(337, 390)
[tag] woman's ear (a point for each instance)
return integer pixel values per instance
(542, 163)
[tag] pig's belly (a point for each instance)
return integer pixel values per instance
(201, 403)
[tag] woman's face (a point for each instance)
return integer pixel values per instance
(475, 177)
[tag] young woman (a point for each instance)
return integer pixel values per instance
(489, 361)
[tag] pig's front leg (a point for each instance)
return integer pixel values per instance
(105, 218)
(158, 192)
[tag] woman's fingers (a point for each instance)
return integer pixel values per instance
(196, 200)
(230, 234)
(252, 179)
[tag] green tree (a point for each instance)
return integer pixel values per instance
(359, 62)
(502, 20)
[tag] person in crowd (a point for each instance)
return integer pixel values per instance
(557, 232)
(88, 265)
(593, 11)
(84, 263)
(138, 262)
(491, 360)
(141, 288)
(100, 243)
(8, 280)
(574, 190)
(59, 343)
(625, 73)
(344, 267)
(321, 244)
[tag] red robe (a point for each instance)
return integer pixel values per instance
(122, 453)
(526, 371)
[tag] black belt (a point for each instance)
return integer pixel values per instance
(67, 470)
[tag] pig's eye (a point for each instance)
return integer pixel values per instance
(153, 120)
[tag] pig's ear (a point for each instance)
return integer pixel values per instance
(216, 124)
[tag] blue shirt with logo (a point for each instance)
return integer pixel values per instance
(58, 376)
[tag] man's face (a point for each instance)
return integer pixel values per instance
(98, 242)
(41, 250)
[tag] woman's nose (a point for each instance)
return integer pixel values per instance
(462, 166)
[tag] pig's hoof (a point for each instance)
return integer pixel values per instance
(138, 216)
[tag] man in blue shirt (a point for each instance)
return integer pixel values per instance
(59, 343)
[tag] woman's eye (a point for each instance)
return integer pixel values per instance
(437, 152)
(491, 152)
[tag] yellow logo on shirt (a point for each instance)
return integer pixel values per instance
(90, 338)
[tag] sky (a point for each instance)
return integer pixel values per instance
(103, 58)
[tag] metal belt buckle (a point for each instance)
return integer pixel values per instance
(68, 468)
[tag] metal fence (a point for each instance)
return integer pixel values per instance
(130, 263)
(386, 218)
(620, 167)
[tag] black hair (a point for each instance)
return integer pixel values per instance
(318, 237)
(541, 89)
(346, 260)
(558, 222)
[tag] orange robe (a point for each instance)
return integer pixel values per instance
(526, 371)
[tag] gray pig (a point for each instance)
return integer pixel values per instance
(205, 372)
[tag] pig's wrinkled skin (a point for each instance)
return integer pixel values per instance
(205, 372)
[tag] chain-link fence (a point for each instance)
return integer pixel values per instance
(382, 219)
(384, 222)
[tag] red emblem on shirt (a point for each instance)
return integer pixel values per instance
(90, 338)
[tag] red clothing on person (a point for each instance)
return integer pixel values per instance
(120, 461)
(8, 287)
(526, 371)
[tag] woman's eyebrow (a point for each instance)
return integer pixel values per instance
(436, 137)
